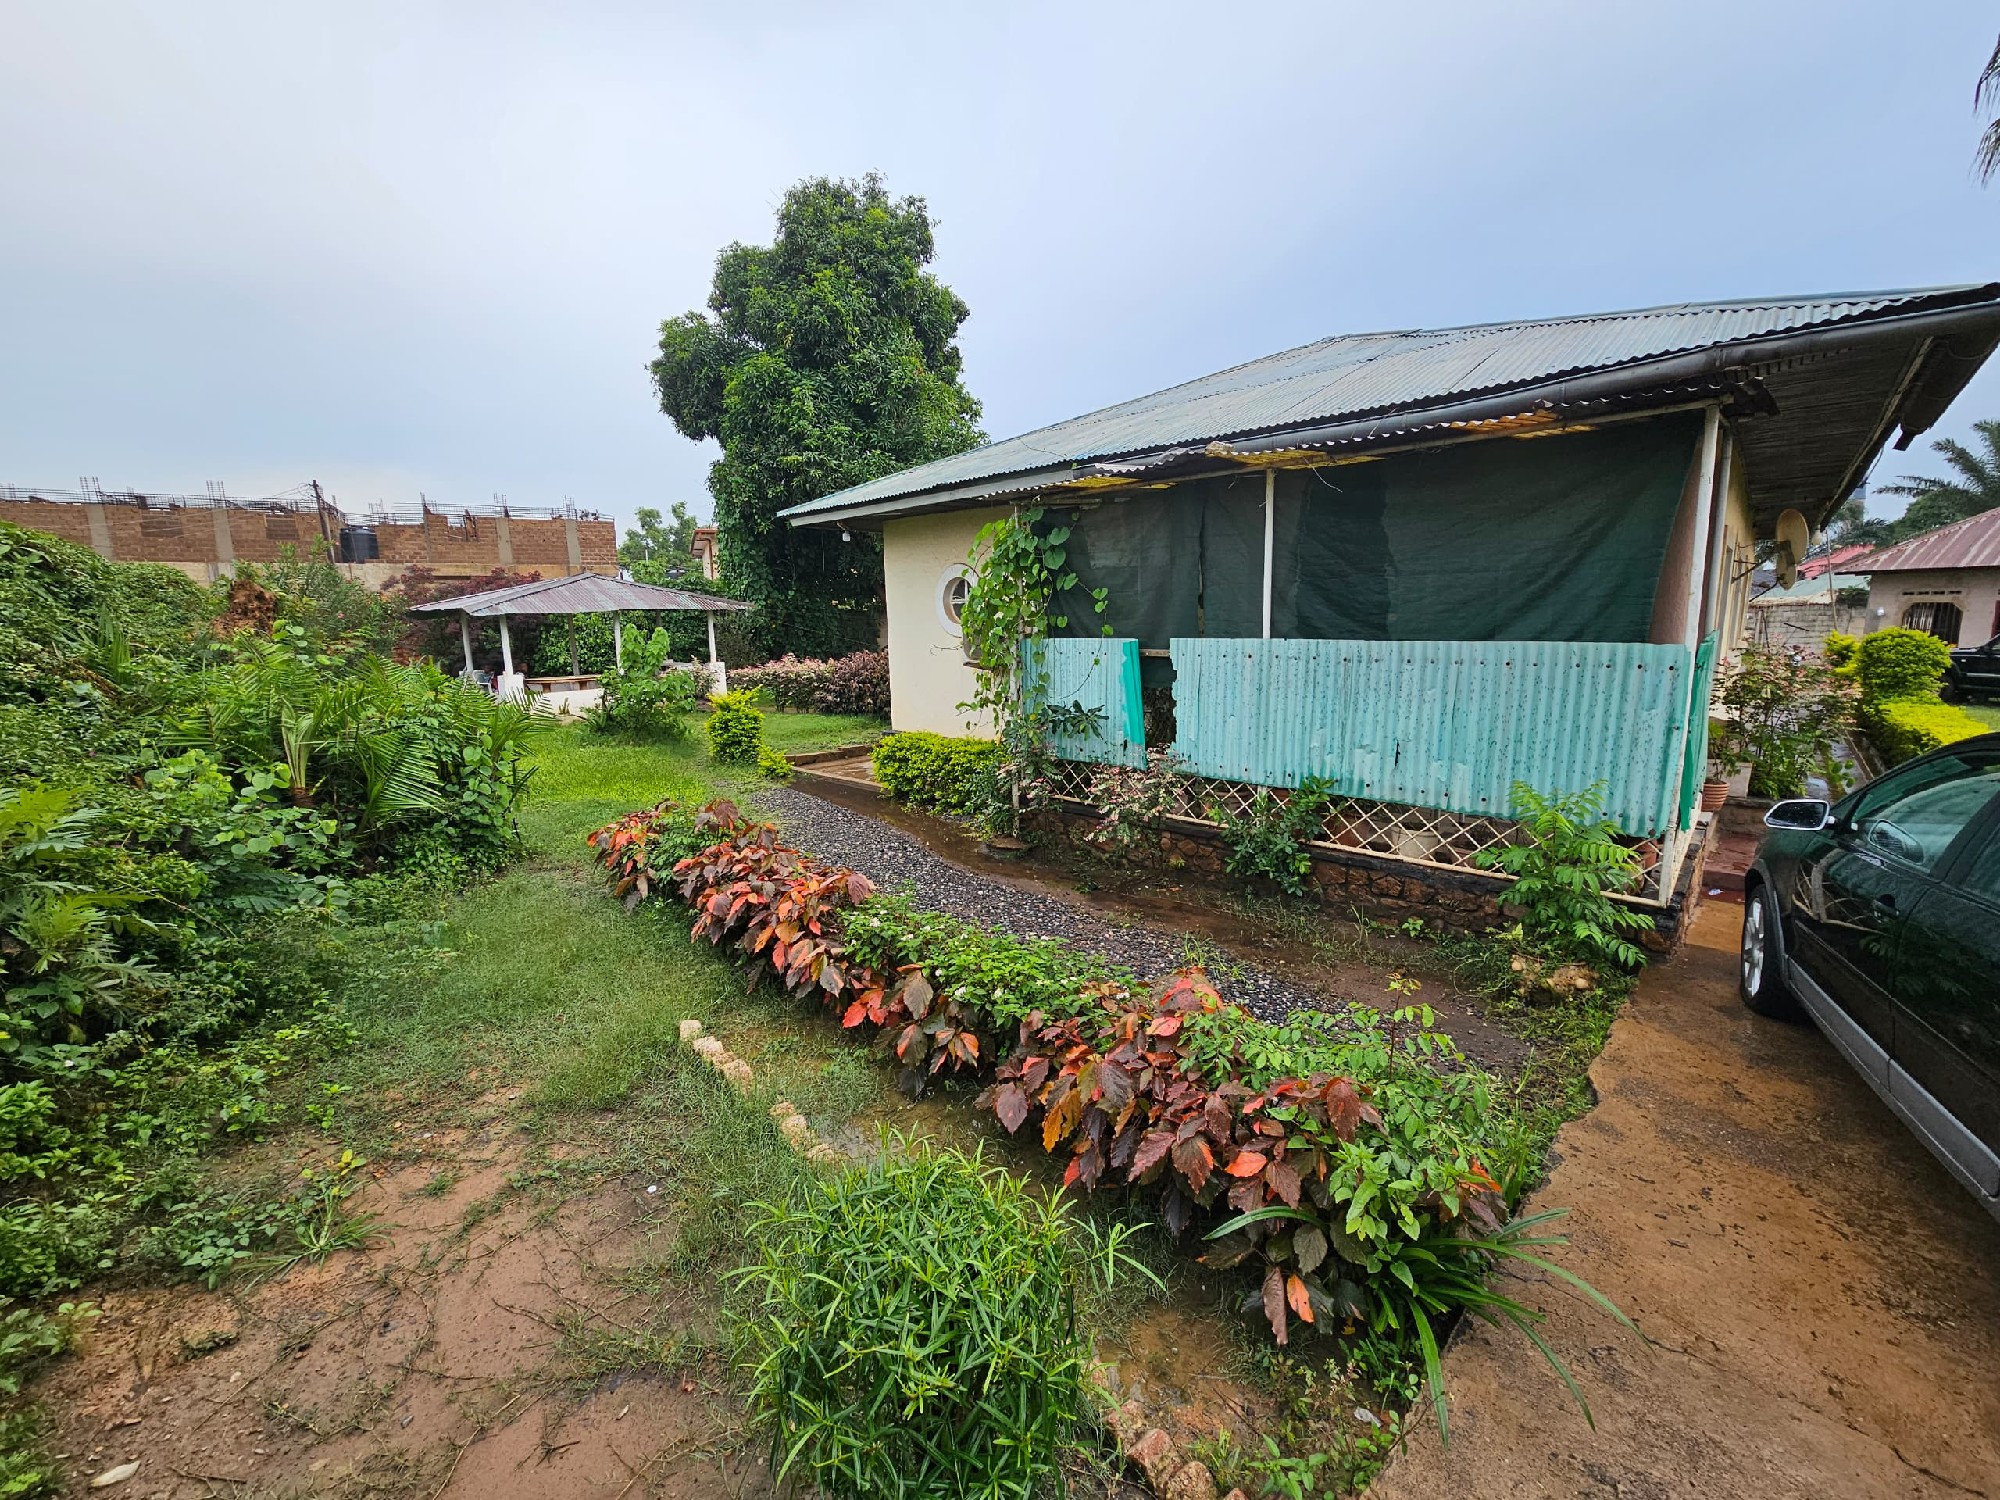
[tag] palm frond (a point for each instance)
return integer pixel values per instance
(1986, 97)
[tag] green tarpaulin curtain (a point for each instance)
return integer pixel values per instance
(1554, 539)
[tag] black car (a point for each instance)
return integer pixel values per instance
(1974, 671)
(1879, 915)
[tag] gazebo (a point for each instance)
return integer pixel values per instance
(575, 594)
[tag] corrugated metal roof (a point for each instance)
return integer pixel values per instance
(576, 594)
(1818, 590)
(1357, 376)
(1971, 543)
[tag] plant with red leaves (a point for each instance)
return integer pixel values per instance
(781, 909)
(1134, 1095)
(639, 850)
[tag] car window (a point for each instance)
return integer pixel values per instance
(1913, 814)
(1982, 873)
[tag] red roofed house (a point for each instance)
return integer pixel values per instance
(1945, 581)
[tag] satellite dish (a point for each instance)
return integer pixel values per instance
(1794, 536)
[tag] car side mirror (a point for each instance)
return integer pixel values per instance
(1800, 814)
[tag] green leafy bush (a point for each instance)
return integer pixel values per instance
(1841, 650)
(1784, 714)
(735, 728)
(944, 773)
(193, 801)
(642, 698)
(1907, 727)
(910, 1331)
(1267, 839)
(772, 764)
(853, 684)
(1899, 663)
(1566, 869)
(1900, 672)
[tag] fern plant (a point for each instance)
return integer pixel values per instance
(1566, 869)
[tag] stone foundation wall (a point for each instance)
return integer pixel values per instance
(1386, 889)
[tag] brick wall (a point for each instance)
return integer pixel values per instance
(204, 542)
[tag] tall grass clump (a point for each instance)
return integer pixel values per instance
(910, 1329)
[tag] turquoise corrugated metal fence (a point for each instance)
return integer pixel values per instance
(1096, 674)
(1694, 764)
(1448, 724)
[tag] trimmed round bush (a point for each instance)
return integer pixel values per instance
(943, 772)
(909, 1330)
(1899, 663)
(736, 728)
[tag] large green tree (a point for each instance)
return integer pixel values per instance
(1973, 488)
(825, 359)
(658, 551)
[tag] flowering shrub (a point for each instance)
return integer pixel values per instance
(854, 684)
(1785, 712)
(1131, 800)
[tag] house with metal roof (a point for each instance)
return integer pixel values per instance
(1431, 563)
(1946, 582)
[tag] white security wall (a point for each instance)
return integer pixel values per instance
(928, 674)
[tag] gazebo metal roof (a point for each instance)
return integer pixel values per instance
(577, 594)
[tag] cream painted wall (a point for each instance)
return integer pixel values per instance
(1738, 559)
(1976, 591)
(928, 676)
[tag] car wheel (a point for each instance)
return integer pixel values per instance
(1950, 692)
(1760, 975)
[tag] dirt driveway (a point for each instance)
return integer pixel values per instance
(1825, 1301)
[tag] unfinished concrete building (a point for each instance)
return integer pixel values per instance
(205, 536)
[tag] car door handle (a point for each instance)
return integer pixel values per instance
(1886, 901)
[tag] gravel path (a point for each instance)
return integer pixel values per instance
(894, 860)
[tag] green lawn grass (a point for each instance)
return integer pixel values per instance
(1986, 713)
(797, 734)
(539, 975)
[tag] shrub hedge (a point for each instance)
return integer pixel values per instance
(1353, 1154)
(942, 772)
(1900, 672)
(855, 684)
(1899, 663)
(1907, 727)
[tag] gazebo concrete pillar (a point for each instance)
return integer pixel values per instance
(465, 639)
(510, 686)
(617, 640)
(718, 674)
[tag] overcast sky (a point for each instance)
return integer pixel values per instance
(426, 247)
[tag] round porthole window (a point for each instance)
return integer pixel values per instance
(953, 590)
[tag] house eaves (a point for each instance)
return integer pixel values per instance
(1840, 374)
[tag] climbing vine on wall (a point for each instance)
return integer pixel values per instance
(1017, 572)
